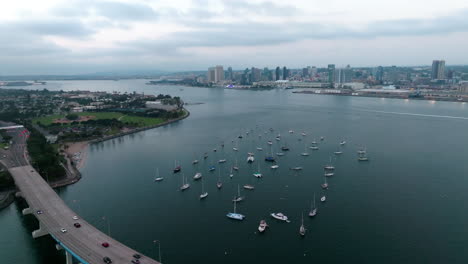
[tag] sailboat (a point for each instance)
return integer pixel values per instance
(275, 166)
(235, 215)
(235, 167)
(263, 225)
(305, 153)
(329, 174)
(219, 184)
(250, 158)
(339, 152)
(177, 168)
(231, 174)
(157, 179)
(238, 198)
(313, 209)
(342, 142)
(195, 162)
(323, 198)
(249, 187)
(259, 149)
(197, 176)
(203, 194)
(205, 156)
(185, 185)
(222, 161)
(325, 184)
(279, 154)
(280, 216)
(329, 166)
(269, 142)
(270, 157)
(363, 156)
(291, 131)
(302, 229)
(322, 138)
(303, 134)
(258, 174)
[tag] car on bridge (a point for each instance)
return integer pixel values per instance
(105, 244)
(39, 212)
(107, 260)
(77, 225)
(63, 230)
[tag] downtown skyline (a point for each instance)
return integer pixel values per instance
(81, 36)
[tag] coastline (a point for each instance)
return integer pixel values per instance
(82, 147)
(390, 96)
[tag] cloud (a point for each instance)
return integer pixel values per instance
(125, 11)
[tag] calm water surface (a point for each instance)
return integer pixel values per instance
(407, 205)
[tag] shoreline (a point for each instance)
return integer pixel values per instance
(439, 99)
(82, 147)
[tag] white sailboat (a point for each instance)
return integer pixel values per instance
(219, 184)
(258, 174)
(342, 142)
(302, 229)
(275, 166)
(325, 185)
(197, 176)
(238, 198)
(203, 194)
(305, 153)
(363, 156)
(329, 166)
(185, 185)
(231, 174)
(235, 215)
(157, 179)
(313, 209)
(235, 167)
(323, 198)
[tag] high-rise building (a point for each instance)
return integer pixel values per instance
(285, 73)
(331, 73)
(379, 74)
(211, 76)
(230, 76)
(256, 74)
(278, 73)
(305, 72)
(438, 70)
(219, 74)
(343, 75)
(313, 71)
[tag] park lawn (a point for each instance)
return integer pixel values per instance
(2, 145)
(47, 120)
(142, 121)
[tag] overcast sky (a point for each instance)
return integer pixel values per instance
(86, 36)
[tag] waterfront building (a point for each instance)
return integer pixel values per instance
(285, 73)
(438, 70)
(256, 75)
(331, 73)
(343, 75)
(379, 74)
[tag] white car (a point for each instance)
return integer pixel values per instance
(63, 230)
(75, 217)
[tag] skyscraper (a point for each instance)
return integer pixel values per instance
(256, 74)
(438, 70)
(211, 76)
(219, 74)
(285, 73)
(278, 73)
(230, 76)
(331, 73)
(379, 74)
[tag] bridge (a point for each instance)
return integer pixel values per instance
(83, 243)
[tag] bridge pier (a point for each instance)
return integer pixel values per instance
(40, 232)
(27, 211)
(68, 256)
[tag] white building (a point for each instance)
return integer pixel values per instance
(159, 105)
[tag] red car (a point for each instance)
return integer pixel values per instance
(77, 225)
(105, 244)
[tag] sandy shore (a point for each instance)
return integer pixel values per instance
(78, 152)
